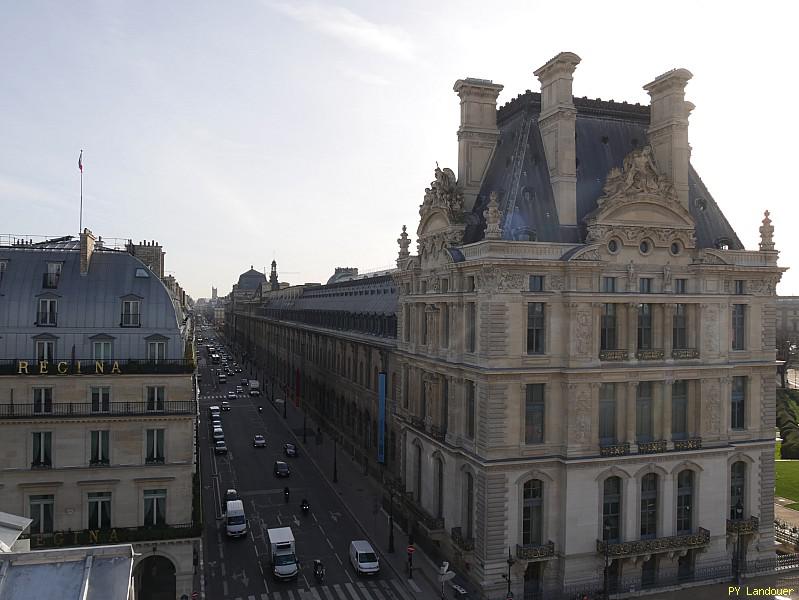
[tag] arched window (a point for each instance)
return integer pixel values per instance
(685, 501)
(532, 509)
(611, 509)
(649, 506)
(468, 504)
(439, 487)
(737, 485)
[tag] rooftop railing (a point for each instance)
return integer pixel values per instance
(82, 409)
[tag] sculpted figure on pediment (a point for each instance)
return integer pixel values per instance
(557, 283)
(638, 174)
(443, 193)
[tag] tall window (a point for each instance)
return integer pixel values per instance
(609, 285)
(679, 410)
(643, 412)
(42, 449)
(48, 311)
(45, 350)
(738, 326)
(131, 317)
(532, 511)
(608, 327)
(154, 508)
(53, 275)
(423, 400)
(607, 414)
(42, 400)
(3, 267)
(738, 403)
(156, 351)
(471, 327)
(445, 325)
(685, 501)
(535, 328)
(425, 317)
(534, 414)
(645, 285)
(439, 488)
(418, 474)
(408, 316)
(470, 408)
(99, 510)
(468, 505)
(645, 327)
(444, 402)
(41, 511)
(101, 350)
(155, 397)
(649, 506)
(737, 486)
(101, 399)
(679, 333)
(405, 386)
(740, 287)
(155, 446)
(99, 449)
(611, 509)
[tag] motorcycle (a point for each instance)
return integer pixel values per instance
(286, 494)
(260, 409)
(305, 507)
(319, 570)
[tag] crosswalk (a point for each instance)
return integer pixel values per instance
(380, 589)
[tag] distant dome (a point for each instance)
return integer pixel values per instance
(251, 279)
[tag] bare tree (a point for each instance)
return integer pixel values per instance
(787, 352)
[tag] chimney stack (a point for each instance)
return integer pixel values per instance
(86, 249)
(668, 128)
(557, 125)
(477, 134)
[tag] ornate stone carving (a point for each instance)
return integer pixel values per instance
(766, 234)
(590, 254)
(638, 174)
(582, 421)
(583, 327)
(404, 241)
(712, 415)
(493, 217)
(443, 193)
(557, 283)
(489, 278)
(667, 276)
(511, 281)
(631, 277)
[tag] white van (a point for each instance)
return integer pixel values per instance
(235, 521)
(363, 558)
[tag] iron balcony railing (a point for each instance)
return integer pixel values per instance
(81, 409)
(650, 354)
(676, 542)
(90, 366)
(114, 535)
(689, 444)
(614, 449)
(535, 551)
(465, 544)
(654, 447)
(740, 526)
(615, 355)
(684, 353)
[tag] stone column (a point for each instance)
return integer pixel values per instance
(692, 326)
(631, 396)
(666, 406)
(666, 497)
(595, 415)
(630, 531)
(668, 321)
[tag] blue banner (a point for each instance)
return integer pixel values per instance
(381, 418)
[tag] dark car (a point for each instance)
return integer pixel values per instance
(259, 441)
(220, 447)
(282, 469)
(245, 382)
(290, 450)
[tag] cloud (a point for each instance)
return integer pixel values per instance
(364, 77)
(348, 27)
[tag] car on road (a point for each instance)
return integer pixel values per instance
(290, 450)
(237, 369)
(213, 411)
(218, 434)
(230, 372)
(230, 495)
(239, 389)
(225, 405)
(282, 469)
(364, 558)
(245, 381)
(259, 441)
(220, 447)
(231, 395)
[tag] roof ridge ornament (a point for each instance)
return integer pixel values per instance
(766, 234)
(493, 217)
(404, 241)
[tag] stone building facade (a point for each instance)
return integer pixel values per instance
(788, 316)
(97, 406)
(582, 369)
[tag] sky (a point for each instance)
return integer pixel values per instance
(237, 132)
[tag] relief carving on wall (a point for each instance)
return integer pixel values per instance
(582, 418)
(582, 331)
(557, 283)
(710, 327)
(492, 279)
(711, 421)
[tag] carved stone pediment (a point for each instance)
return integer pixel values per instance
(442, 220)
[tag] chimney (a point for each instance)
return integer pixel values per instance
(557, 125)
(86, 249)
(477, 135)
(668, 128)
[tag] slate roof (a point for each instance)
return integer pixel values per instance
(605, 133)
(250, 280)
(369, 296)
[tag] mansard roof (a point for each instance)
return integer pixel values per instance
(368, 295)
(250, 280)
(606, 131)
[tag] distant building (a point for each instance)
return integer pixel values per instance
(788, 315)
(97, 404)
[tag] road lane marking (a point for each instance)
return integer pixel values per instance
(250, 597)
(337, 558)
(351, 590)
(224, 587)
(341, 595)
(377, 592)
(277, 595)
(279, 520)
(322, 530)
(315, 594)
(415, 587)
(305, 580)
(222, 567)
(264, 596)
(331, 545)
(402, 593)
(347, 573)
(314, 517)
(291, 595)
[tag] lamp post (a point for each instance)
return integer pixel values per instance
(510, 562)
(739, 513)
(335, 454)
(391, 518)
(605, 588)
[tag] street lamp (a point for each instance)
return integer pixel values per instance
(739, 513)
(510, 562)
(335, 463)
(605, 588)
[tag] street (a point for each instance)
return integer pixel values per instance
(239, 568)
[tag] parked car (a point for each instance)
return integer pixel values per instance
(259, 441)
(239, 389)
(282, 469)
(220, 447)
(225, 405)
(290, 450)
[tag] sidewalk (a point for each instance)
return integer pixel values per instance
(360, 495)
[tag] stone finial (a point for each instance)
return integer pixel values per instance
(403, 241)
(493, 216)
(766, 234)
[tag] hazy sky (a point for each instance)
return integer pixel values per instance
(240, 131)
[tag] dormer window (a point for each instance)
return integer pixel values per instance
(48, 312)
(52, 276)
(3, 267)
(131, 317)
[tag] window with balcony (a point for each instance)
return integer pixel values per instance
(99, 510)
(739, 326)
(155, 397)
(680, 286)
(52, 275)
(611, 510)
(679, 332)
(738, 403)
(42, 400)
(645, 285)
(679, 410)
(643, 412)
(101, 350)
(41, 511)
(154, 508)
(155, 446)
(737, 488)
(471, 327)
(101, 398)
(534, 414)
(131, 315)
(48, 312)
(42, 449)
(649, 506)
(608, 327)
(609, 285)
(685, 501)
(439, 474)
(470, 408)
(99, 447)
(156, 351)
(607, 414)
(532, 513)
(644, 327)
(536, 283)
(535, 328)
